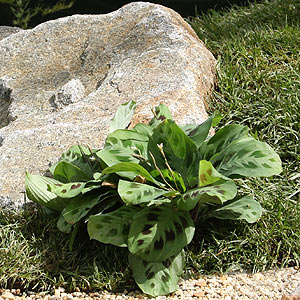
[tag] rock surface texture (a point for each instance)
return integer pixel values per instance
(62, 81)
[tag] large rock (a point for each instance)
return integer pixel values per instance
(62, 81)
(5, 31)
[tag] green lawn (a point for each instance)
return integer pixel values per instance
(259, 86)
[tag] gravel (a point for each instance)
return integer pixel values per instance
(272, 285)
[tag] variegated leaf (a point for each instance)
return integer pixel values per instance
(157, 278)
(80, 206)
(240, 208)
(36, 190)
(159, 232)
(247, 157)
(123, 116)
(218, 193)
(133, 193)
(178, 149)
(113, 227)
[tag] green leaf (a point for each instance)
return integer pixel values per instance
(118, 154)
(79, 156)
(143, 129)
(156, 233)
(123, 116)
(247, 157)
(222, 139)
(36, 190)
(199, 133)
(80, 206)
(161, 113)
(63, 226)
(208, 174)
(66, 190)
(239, 208)
(134, 141)
(113, 227)
(173, 178)
(218, 192)
(179, 151)
(157, 278)
(131, 170)
(136, 193)
(67, 172)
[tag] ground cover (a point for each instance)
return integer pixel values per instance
(258, 85)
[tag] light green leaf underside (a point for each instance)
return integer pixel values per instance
(123, 116)
(36, 190)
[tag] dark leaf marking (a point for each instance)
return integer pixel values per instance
(195, 194)
(156, 209)
(113, 232)
(166, 263)
(221, 192)
(147, 227)
(203, 177)
(170, 235)
(75, 186)
(183, 221)
(146, 232)
(178, 228)
(165, 278)
(149, 274)
(209, 171)
(64, 191)
(140, 242)
(58, 184)
(152, 217)
(193, 132)
(158, 245)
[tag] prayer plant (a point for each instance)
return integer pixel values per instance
(150, 185)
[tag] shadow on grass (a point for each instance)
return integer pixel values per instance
(34, 255)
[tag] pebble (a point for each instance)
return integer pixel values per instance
(272, 285)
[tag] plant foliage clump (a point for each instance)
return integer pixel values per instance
(150, 185)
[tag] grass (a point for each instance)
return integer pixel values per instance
(257, 48)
